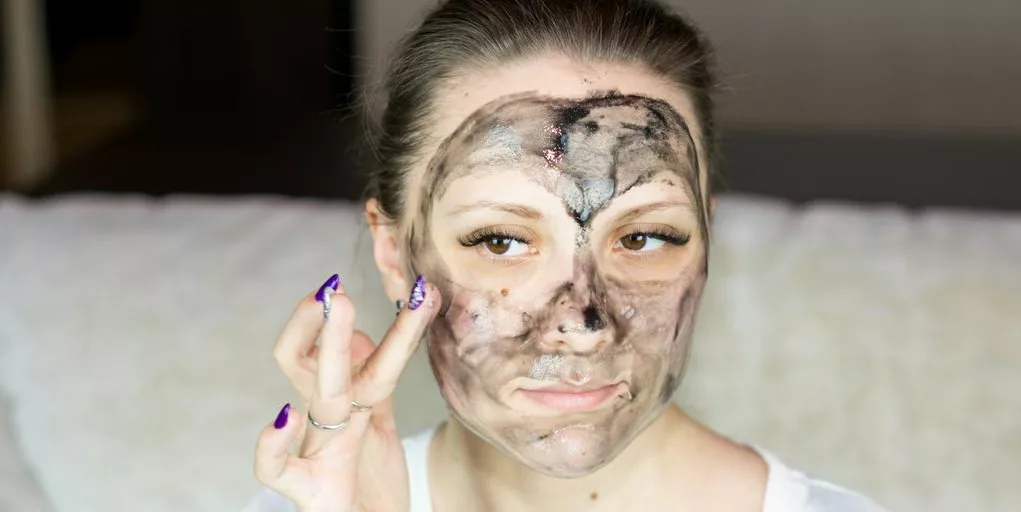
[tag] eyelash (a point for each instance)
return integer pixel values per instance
(479, 236)
(667, 235)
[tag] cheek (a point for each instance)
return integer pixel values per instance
(659, 319)
(471, 317)
(496, 309)
(478, 328)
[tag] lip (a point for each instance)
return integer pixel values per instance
(558, 398)
(570, 400)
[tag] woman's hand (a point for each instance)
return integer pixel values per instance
(359, 466)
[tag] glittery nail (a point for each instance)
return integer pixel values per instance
(417, 294)
(331, 284)
(282, 417)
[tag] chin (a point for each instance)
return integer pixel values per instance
(571, 451)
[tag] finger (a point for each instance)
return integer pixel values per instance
(334, 363)
(300, 332)
(382, 411)
(331, 402)
(272, 457)
(378, 376)
(295, 350)
(361, 347)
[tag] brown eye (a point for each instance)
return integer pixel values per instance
(634, 241)
(498, 245)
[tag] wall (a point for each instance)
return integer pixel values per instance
(26, 147)
(906, 66)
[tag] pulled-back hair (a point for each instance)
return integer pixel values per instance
(461, 35)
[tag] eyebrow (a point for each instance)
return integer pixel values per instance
(652, 207)
(513, 209)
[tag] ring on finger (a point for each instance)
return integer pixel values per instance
(321, 426)
(357, 407)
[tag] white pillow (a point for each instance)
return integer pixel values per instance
(18, 489)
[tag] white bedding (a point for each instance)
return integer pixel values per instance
(877, 349)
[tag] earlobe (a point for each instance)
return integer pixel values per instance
(386, 250)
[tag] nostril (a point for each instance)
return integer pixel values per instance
(593, 320)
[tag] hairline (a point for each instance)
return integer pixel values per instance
(419, 163)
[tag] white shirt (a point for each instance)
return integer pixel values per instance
(787, 490)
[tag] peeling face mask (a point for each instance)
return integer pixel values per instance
(568, 237)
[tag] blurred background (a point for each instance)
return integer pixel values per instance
(914, 102)
(861, 322)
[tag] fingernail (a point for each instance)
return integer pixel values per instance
(417, 294)
(331, 284)
(282, 417)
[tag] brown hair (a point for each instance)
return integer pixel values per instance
(481, 33)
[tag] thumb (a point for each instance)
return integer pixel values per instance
(272, 452)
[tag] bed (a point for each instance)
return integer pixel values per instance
(868, 345)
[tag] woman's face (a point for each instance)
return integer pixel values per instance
(566, 228)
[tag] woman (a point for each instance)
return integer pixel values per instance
(544, 174)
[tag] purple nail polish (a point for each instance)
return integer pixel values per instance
(417, 294)
(331, 284)
(282, 417)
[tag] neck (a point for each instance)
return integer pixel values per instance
(670, 459)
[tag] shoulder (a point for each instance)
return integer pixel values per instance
(826, 497)
(789, 490)
(419, 441)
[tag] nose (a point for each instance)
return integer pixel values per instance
(575, 324)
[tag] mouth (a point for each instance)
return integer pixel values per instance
(550, 399)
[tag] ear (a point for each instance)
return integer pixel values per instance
(386, 250)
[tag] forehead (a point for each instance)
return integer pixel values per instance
(464, 95)
(615, 140)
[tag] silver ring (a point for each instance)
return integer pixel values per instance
(320, 426)
(357, 407)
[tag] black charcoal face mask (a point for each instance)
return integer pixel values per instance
(563, 335)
